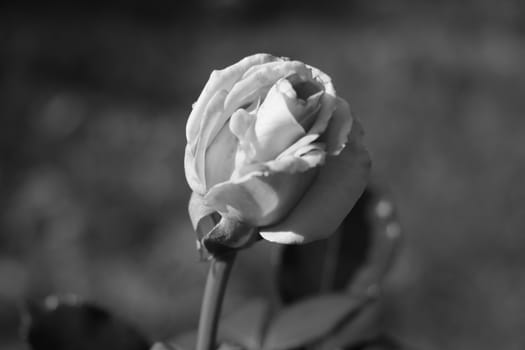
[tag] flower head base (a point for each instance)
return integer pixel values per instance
(272, 146)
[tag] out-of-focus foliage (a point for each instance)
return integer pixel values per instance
(93, 102)
(356, 258)
(65, 324)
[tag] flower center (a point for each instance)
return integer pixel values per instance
(306, 93)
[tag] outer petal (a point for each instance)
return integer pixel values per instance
(208, 118)
(334, 192)
(212, 121)
(268, 191)
(221, 80)
(192, 177)
(328, 102)
(220, 157)
(338, 130)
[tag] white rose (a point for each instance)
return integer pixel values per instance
(272, 146)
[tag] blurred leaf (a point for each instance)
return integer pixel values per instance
(309, 320)
(229, 346)
(186, 340)
(355, 257)
(165, 346)
(357, 330)
(385, 238)
(246, 326)
(380, 342)
(67, 323)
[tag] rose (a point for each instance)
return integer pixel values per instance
(270, 145)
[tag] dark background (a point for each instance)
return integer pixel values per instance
(93, 103)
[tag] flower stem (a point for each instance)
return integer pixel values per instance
(218, 274)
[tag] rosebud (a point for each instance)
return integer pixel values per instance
(258, 138)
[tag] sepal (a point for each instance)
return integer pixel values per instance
(227, 236)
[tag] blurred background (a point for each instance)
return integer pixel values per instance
(93, 102)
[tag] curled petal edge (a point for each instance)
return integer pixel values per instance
(267, 191)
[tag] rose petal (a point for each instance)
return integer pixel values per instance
(299, 144)
(303, 108)
(242, 125)
(339, 127)
(212, 122)
(326, 113)
(221, 80)
(337, 187)
(192, 177)
(309, 156)
(208, 118)
(304, 88)
(190, 170)
(264, 76)
(220, 157)
(276, 128)
(328, 102)
(302, 99)
(269, 190)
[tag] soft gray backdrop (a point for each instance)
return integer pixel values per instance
(93, 105)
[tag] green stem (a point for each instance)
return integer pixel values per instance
(218, 274)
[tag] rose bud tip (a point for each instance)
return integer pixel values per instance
(302, 99)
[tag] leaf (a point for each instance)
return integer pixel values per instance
(64, 323)
(186, 340)
(165, 346)
(385, 239)
(309, 320)
(357, 330)
(246, 326)
(380, 342)
(229, 346)
(354, 258)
